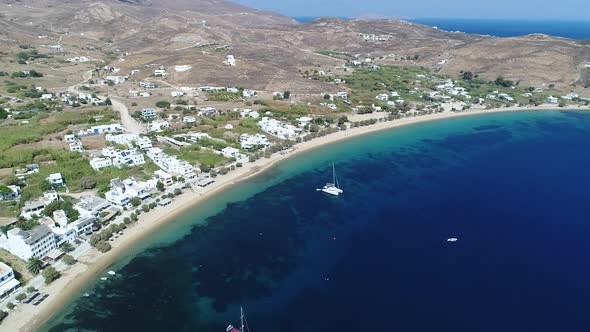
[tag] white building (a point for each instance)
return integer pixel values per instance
(76, 146)
(160, 73)
(189, 119)
(99, 163)
(117, 194)
(147, 85)
(176, 93)
(571, 96)
(231, 60)
(250, 141)
(230, 152)
(342, 94)
(182, 68)
(8, 283)
(129, 157)
(102, 129)
(33, 208)
(123, 139)
(13, 194)
(148, 113)
(164, 177)
(249, 93)
(70, 138)
(144, 143)
(37, 242)
(50, 196)
(304, 121)
(56, 179)
(91, 205)
(83, 226)
(117, 79)
(78, 59)
(170, 164)
(552, 100)
(157, 125)
(382, 97)
(46, 96)
(60, 217)
(279, 129)
(136, 189)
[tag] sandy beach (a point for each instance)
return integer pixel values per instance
(30, 318)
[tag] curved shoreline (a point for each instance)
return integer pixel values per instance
(75, 279)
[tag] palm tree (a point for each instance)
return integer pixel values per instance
(34, 265)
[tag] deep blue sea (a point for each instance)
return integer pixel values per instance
(513, 188)
(502, 28)
(512, 28)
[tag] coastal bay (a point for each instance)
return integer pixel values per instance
(138, 234)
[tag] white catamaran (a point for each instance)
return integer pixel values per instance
(332, 188)
(243, 324)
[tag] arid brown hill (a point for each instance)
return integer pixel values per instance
(272, 49)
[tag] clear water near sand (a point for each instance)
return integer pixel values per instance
(512, 188)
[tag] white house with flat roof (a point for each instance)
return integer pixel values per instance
(279, 129)
(56, 179)
(189, 119)
(91, 205)
(148, 113)
(230, 152)
(8, 283)
(144, 143)
(249, 141)
(158, 125)
(117, 194)
(551, 100)
(99, 163)
(164, 177)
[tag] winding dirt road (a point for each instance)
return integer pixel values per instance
(129, 123)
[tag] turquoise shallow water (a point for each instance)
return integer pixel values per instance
(512, 187)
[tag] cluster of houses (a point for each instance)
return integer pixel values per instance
(78, 59)
(110, 156)
(82, 98)
(495, 95)
(448, 86)
(115, 79)
(279, 129)
(123, 191)
(374, 37)
(43, 240)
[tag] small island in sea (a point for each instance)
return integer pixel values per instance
(158, 121)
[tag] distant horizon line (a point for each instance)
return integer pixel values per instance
(368, 16)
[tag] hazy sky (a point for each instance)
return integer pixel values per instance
(529, 9)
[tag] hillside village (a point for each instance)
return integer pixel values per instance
(80, 163)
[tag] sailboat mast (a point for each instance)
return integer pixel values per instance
(242, 319)
(333, 174)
